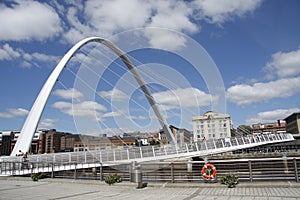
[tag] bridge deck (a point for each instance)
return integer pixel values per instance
(78, 160)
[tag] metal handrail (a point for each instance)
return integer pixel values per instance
(152, 153)
(252, 169)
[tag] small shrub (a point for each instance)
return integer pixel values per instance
(230, 180)
(112, 179)
(37, 176)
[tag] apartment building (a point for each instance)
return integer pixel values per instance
(293, 123)
(269, 128)
(182, 135)
(211, 125)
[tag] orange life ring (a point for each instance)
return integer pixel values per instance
(211, 175)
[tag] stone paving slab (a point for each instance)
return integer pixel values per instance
(67, 189)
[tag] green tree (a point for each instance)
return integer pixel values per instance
(244, 129)
(154, 142)
(233, 132)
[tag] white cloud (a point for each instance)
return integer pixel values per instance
(35, 59)
(246, 94)
(108, 17)
(8, 53)
(44, 57)
(27, 20)
(111, 131)
(102, 19)
(271, 116)
(119, 14)
(164, 40)
(216, 11)
(14, 112)
(83, 109)
(168, 12)
(284, 64)
(68, 94)
(47, 123)
(132, 117)
(28, 59)
(114, 94)
(183, 98)
(111, 114)
(286, 67)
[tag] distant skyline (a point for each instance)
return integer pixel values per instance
(254, 44)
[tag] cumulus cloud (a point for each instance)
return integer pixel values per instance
(28, 60)
(164, 40)
(114, 94)
(47, 123)
(99, 17)
(284, 64)
(215, 11)
(68, 94)
(119, 14)
(27, 20)
(8, 53)
(183, 98)
(132, 117)
(108, 17)
(111, 114)
(14, 112)
(244, 94)
(83, 109)
(271, 116)
(284, 67)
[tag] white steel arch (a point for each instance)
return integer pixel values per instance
(24, 141)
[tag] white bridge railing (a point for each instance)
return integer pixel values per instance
(76, 160)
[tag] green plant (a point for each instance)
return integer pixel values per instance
(37, 176)
(112, 179)
(230, 180)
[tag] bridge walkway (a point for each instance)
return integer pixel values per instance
(12, 165)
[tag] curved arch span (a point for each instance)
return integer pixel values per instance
(24, 141)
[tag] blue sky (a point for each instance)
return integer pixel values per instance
(254, 44)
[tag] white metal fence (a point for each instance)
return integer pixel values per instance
(88, 159)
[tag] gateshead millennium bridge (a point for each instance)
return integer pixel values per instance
(66, 161)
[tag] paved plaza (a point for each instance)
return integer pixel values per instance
(25, 188)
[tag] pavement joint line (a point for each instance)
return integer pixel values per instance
(29, 186)
(255, 190)
(258, 184)
(194, 194)
(75, 195)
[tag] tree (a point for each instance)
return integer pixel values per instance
(233, 132)
(244, 129)
(154, 142)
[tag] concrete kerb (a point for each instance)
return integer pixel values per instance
(257, 184)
